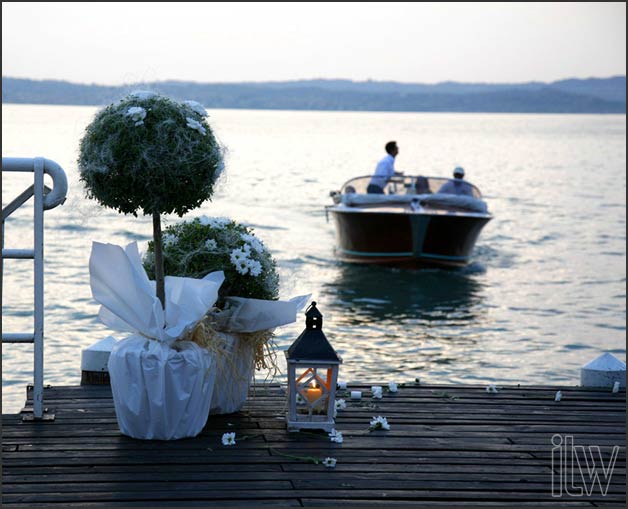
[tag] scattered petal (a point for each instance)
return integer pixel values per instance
(392, 386)
(228, 439)
(379, 422)
(558, 396)
(329, 462)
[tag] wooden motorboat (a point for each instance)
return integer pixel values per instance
(411, 224)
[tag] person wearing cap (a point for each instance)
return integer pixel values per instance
(457, 185)
(385, 170)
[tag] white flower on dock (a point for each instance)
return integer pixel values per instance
(300, 399)
(376, 391)
(341, 404)
(379, 422)
(228, 439)
(491, 389)
(137, 114)
(616, 387)
(196, 108)
(335, 436)
(329, 462)
(392, 386)
(558, 396)
(196, 125)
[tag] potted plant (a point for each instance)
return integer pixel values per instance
(239, 328)
(149, 154)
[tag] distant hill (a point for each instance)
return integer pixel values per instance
(594, 95)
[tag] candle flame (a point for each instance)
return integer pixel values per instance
(313, 384)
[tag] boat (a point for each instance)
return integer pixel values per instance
(411, 225)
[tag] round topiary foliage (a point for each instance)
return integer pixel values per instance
(203, 245)
(150, 154)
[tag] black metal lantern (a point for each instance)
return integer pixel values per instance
(312, 375)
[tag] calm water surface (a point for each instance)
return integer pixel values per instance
(546, 291)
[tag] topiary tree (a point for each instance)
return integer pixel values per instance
(152, 155)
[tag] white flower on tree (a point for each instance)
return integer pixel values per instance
(196, 125)
(137, 114)
(142, 95)
(196, 107)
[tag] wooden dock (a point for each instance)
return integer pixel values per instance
(453, 445)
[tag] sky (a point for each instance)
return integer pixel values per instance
(122, 43)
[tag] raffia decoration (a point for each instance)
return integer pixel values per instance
(206, 335)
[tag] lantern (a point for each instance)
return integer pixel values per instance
(312, 374)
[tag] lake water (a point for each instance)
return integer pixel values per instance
(545, 293)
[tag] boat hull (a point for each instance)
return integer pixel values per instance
(406, 239)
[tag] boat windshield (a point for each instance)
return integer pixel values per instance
(406, 184)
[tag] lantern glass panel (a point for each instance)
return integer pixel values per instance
(312, 385)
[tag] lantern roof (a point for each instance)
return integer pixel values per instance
(312, 345)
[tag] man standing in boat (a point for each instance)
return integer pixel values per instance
(385, 170)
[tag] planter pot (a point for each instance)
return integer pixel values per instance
(161, 392)
(234, 371)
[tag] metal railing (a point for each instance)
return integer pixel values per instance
(45, 199)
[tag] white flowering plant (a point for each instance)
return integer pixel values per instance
(150, 154)
(194, 248)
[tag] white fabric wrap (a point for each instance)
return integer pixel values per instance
(242, 315)
(159, 392)
(233, 375)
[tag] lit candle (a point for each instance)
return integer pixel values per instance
(313, 393)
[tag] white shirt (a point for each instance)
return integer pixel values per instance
(384, 170)
(456, 186)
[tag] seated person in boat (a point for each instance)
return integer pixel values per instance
(385, 170)
(422, 185)
(457, 185)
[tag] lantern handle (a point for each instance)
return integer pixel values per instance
(313, 305)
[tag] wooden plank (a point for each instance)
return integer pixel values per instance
(447, 444)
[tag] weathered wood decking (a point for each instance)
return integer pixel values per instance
(448, 446)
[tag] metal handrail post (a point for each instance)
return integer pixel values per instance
(44, 199)
(38, 382)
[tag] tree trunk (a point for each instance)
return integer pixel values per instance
(159, 260)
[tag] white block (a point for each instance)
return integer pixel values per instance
(96, 356)
(603, 372)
